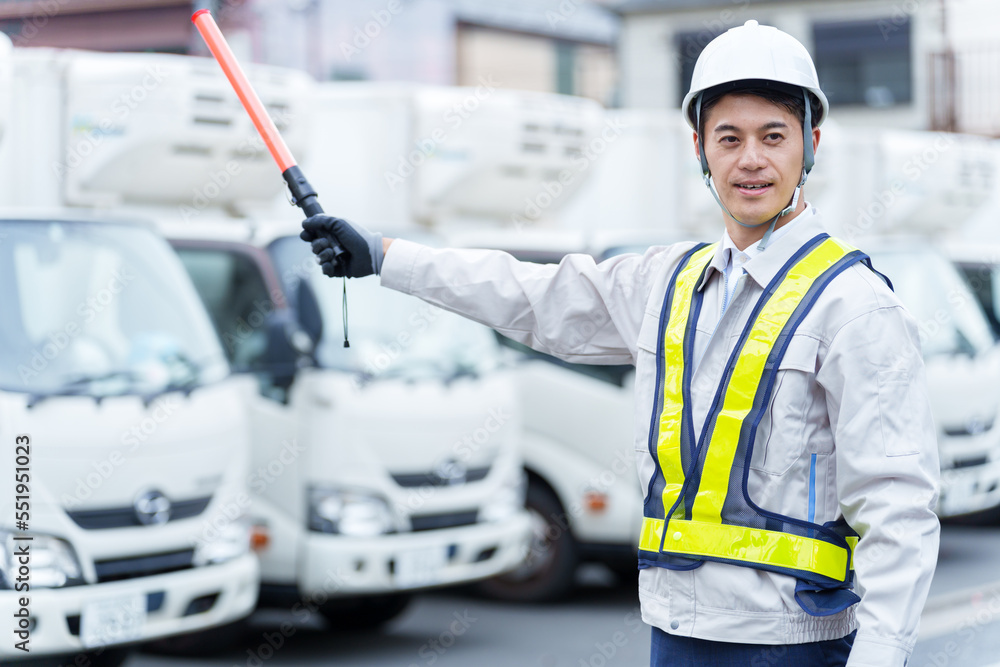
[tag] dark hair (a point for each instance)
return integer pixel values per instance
(786, 97)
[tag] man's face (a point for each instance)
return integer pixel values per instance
(754, 149)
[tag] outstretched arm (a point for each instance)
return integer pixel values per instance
(577, 310)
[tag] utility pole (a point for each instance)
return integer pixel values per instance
(948, 72)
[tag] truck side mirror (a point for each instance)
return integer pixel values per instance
(309, 316)
(281, 358)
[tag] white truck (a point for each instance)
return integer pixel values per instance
(375, 471)
(399, 456)
(120, 503)
(963, 363)
(125, 434)
(483, 162)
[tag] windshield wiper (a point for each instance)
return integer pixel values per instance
(405, 371)
(413, 370)
(461, 370)
(185, 385)
(80, 384)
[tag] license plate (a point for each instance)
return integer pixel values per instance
(423, 567)
(113, 620)
(959, 499)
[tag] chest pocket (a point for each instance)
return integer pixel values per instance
(648, 332)
(785, 427)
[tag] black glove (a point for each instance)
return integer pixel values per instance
(363, 251)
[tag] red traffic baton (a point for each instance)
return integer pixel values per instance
(303, 194)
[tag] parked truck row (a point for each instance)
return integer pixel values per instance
(186, 403)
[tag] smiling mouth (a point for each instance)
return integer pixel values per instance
(754, 189)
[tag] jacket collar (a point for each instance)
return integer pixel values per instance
(765, 266)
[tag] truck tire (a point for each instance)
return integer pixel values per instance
(548, 571)
(368, 613)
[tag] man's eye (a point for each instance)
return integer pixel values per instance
(774, 136)
(728, 140)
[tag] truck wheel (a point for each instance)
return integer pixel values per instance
(366, 613)
(111, 658)
(549, 568)
(212, 641)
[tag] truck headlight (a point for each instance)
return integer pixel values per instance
(508, 500)
(349, 512)
(222, 541)
(51, 562)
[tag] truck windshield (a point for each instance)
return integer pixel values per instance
(949, 317)
(984, 280)
(392, 334)
(99, 309)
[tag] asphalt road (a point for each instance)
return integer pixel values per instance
(598, 627)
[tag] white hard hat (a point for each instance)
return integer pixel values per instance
(758, 53)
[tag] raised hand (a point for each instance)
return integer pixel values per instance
(363, 251)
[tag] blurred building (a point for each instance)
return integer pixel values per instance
(917, 64)
(105, 25)
(565, 46)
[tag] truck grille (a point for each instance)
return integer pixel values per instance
(971, 427)
(439, 521)
(143, 566)
(413, 480)
(124, 517)
(971, 463)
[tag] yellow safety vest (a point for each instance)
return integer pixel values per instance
(701, 485)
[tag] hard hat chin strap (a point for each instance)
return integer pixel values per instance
(808, 160)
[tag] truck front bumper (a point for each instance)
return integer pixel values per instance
(176, 603)
(337, 565)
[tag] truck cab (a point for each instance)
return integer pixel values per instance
(136, 494)
(378, 469)
(132, 456)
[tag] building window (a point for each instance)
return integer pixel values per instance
(864, 62)
(689, 47)
(534, 62)
(564, 68)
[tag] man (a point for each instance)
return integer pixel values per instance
(783, 432)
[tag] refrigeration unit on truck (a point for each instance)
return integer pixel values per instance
(379, 469)
(126, 519)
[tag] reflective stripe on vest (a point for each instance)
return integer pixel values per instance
(708, 519)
